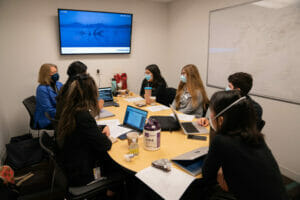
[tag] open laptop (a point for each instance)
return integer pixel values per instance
(189, 127)
(106, 94)
(134, 119)
(192, 161)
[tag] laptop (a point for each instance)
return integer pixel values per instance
(189, 127)
(192, 161)
(134, 119)
(106, 94)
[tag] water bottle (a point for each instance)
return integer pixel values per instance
(114, 86)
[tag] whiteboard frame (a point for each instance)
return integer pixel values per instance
(207, 65)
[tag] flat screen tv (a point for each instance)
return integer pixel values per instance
(93, 32)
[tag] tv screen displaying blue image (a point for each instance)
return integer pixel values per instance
(93, 32)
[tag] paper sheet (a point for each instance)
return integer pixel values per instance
(184, 117)
(115, 129)
(109, 122)
(134, 99)
(157, 108)
(169, 185)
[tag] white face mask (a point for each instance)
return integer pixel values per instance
(222, 111)
(227, 88)
(211, 124)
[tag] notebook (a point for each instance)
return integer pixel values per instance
(134, 119)
(106, 94)
(192, 161)
(189, 127)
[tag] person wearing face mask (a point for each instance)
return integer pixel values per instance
(191, 97)
(153, 79)
(243, 82)
(238, 157)
(46, 93)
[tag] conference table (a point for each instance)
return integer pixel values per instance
(172, 143)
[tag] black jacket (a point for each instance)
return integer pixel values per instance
(251, 172)
(155, 88)
(82, 149)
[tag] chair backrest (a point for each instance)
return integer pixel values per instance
(49, 145)
(261, 125)
(205, 110)
(30, 104)
(166, 96)
(54, 122)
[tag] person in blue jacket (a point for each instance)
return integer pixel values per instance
(46, 94)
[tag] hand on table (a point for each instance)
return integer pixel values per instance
(106, 131)
(101, 103)
(203, 121)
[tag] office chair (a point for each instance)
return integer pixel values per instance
(54, 123)
(261, 125)
(166, 96)
(205, 110)
(30, 104)
(59, 178)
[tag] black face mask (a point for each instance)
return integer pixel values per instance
(55, 77)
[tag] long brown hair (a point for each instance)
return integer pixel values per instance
(44, 74)
(82, 95)
(193, 85)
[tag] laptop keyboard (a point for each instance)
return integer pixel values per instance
(189, 127)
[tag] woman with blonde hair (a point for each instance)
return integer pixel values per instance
(190, 97)
(46, 93)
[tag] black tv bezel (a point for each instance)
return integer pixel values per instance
(92, 53)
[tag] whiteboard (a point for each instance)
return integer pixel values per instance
(259, 38)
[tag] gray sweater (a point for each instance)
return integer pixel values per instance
(186, 105)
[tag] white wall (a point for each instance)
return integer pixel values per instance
(188, 33)
(29, 38)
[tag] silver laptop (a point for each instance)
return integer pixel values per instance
(192, 161)
(189, 127)
(106, 94)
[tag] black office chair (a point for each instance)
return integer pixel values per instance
(59, 180)
(205, 110)
(261, 125)
(54, 123)
(30, 104)
(166, 96)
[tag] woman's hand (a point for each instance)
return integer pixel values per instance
(101, 103)
(221, 180)
(106, 131)
(203, 121)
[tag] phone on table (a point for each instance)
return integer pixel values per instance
(197, 137)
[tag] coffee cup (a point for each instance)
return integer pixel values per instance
(132, 137)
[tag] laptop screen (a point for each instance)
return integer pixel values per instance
(105, 94)
(135, 118)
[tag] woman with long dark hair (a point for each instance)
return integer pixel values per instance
(239, 158)
(82, 143)
(74, 69)
(153, 79)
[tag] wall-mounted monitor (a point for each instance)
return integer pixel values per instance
(93, 32)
